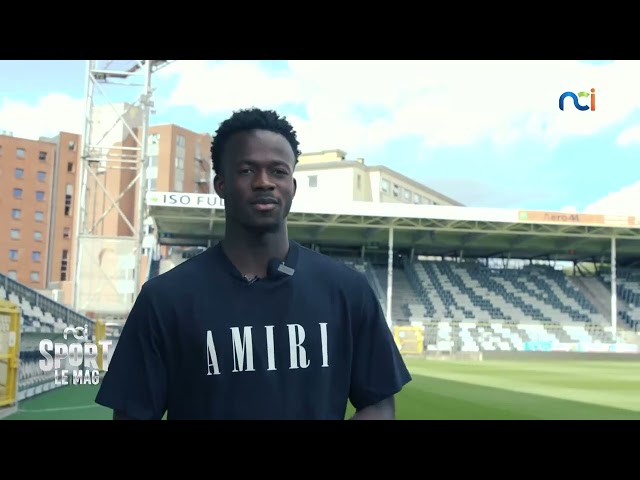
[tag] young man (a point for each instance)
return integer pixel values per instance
(256, 327)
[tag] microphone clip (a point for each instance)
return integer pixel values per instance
(286, 270)
(250, 281)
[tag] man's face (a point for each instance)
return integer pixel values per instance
(257, 182)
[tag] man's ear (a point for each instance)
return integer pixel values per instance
(295, 187)
(218, 185)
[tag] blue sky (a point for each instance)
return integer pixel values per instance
(488, 134)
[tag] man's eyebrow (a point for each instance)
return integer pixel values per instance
(248, 161)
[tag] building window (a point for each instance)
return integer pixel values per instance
(17, 193)
(313, 181)
(15, 234)
(70, 167)
(384, 185)
(42, 156)
(40, 196)
(41, 176)
(39, 216)
(359, 181)
(21, 152)
(407, 195)
(37, 236)
(179, 169)
(16, 213)
(66, 233)
(13, 254)
(68, 200)
(35, 256)
(12, 274)
(64, 265)
(396, 190)
(19, 172)
(35, 276)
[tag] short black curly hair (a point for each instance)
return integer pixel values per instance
(251, 119)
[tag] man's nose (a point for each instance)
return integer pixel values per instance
(262, 180)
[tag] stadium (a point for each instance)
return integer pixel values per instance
(500, 313)
(483, 340)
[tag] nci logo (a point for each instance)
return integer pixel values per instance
(74, 363)
(576, 100)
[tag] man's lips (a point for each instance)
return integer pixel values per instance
(265, 204)
(264, 207)
(265, 200)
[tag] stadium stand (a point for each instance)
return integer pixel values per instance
(41, 317)
(461, 302)
(469, 307)
(458, 304)
(628, 290)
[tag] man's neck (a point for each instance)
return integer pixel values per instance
(251, 254)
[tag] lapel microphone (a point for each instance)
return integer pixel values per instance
(275, 269)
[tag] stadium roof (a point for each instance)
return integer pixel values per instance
(189, 219)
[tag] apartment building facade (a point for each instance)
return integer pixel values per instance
(39, 187)
(37, 201)
(179, 160)
(329, 176)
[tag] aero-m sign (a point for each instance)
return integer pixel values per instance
(576, 100)
(74, 362)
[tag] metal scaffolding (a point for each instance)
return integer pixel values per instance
(110, 205)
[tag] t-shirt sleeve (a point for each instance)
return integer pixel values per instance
(378, 369)
(135, 382)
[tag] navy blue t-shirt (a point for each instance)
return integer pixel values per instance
(203, 343)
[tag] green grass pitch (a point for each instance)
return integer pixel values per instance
(484, 390)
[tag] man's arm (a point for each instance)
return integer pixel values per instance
(384, 410)
(136, 381)
(378, 370)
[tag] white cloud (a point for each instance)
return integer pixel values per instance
(569, 209)
(48, 116)
(629, 136)
(442, 102)
(625, 201)
(225, 86)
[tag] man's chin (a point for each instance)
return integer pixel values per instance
(265, 226)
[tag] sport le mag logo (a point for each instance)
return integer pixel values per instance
(75, 362)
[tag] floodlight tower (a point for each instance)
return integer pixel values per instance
(110, 208)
